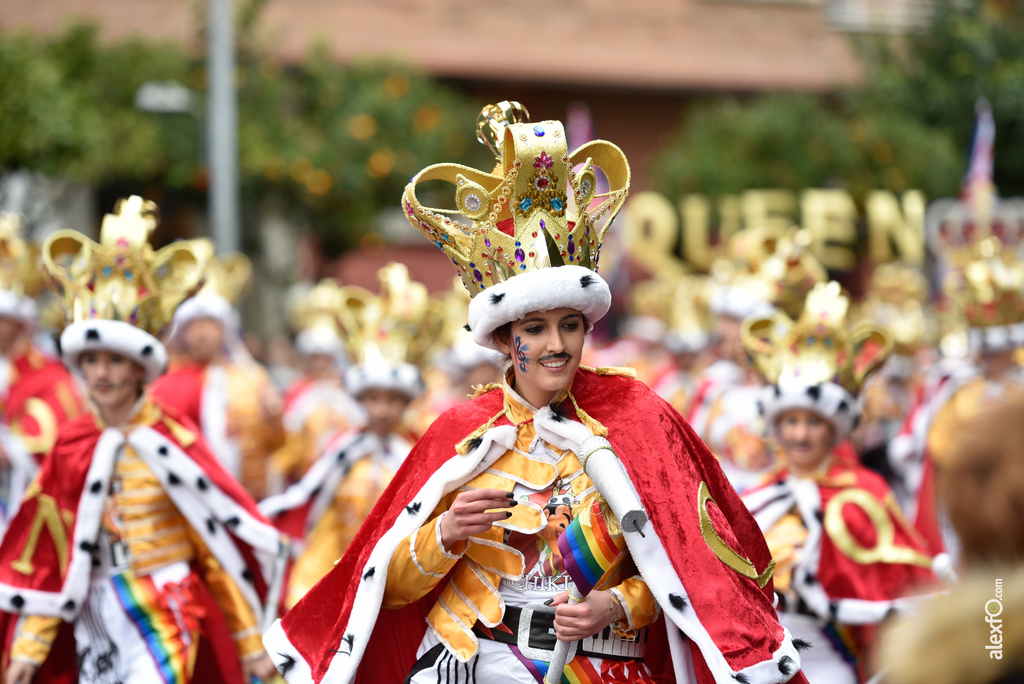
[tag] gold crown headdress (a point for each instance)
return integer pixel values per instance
(790, 270)
(19, 259)
(316, 307)
(121, 277)
(989, 289)
(818, 347)
(387, 326)
(896, 299)
(227, 275)
(534, 211)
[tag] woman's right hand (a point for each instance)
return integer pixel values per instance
(20, 673)
(469, 515)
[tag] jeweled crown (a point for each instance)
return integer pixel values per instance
(19, 259)
(317, 306)
(535, 210)
(819, 346)
(989, 289)
(388, 325)
(121, 277)
(227, 275)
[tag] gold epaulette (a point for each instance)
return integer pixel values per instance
(484, 389)
(619, 371)
(182, 434)
(467, 445)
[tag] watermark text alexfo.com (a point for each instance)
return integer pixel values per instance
(993, 609)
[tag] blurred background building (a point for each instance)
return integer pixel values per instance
(340, 102)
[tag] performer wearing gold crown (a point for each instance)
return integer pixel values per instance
(323, 510)
(216, 382)
(458, 365)
(132, 531)
(468, 533)
(988, 289)
(775, 271)
(845, 554)
(37, 395)
(316, 407)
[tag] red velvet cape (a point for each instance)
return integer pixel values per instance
(666, 462)
(63, 477)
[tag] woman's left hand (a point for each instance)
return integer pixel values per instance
(575, 621)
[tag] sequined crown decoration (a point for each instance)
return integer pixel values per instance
(19, 259)
(227, 275)
(317, 307)
(989, 289)
(387, 326)
(121, 277)
(535, 210)
(819, 346)
(896, 300)
(790, 271)
(958, 230)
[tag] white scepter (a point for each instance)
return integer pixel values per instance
(602, 465)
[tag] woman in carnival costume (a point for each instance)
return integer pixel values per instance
(132, 531)
(467, 534)
(846, 556)
(325, 508)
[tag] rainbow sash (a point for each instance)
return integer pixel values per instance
(589, 550)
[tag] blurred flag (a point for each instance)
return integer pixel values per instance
(977, 189)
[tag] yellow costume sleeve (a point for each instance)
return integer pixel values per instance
(419, 563)
(638, 603)
(239, 616)
(34, 638)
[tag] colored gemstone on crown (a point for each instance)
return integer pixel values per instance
(556, 204)
(520, 255)
(525, 204)
(538, 131)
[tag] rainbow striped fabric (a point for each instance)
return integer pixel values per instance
(589, 549)
(168, 643)
(579, 671)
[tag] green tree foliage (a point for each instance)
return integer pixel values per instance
(803, 141)
(970, 49)
(336, 143)
(67, 106)
(908, 126)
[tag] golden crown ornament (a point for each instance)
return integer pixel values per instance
(816, 362)
(313, 312)
(119, 294)
(526, 236)
(21, 279)
(982, 243)
(385, 331)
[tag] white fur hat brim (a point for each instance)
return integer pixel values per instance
(17, 307)
(206, 306)
(117, 337)
(995, 338)
(402, 378)
(319, 341)
(732, 301)
(569, 287)
(827, 399)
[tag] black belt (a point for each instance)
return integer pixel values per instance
(538, 641)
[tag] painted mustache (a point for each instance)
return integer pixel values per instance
(555, 357)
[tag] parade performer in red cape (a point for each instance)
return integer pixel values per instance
(37, 394)
(213, 379)
(466, 535)
(324, 510)
(132, 531)
(316, 406)
(845, 555)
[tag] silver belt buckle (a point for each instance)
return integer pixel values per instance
(523, 635)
